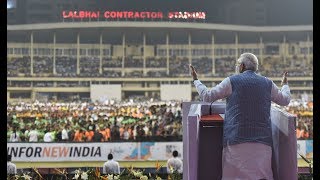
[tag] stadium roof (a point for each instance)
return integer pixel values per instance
(171, 25)
(112, 32)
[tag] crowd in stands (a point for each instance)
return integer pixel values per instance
(273, 67)
(19, 84)
(203, 65)
(43, 84)
(112, 63)
(157, 74)
(134, 74)
(89, 66)
(94, 122)
(66, 66)
(115, 121)
(130, 62)
(42, 65)
(17, 66)
(110, 73)
(304, 112)
(304, 128)
(67, 84)
(178, 66)
(152, 62)
(225, 66)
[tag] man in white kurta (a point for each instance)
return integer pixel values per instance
(48, 137)
(11, 167)
(111, 166)
(174, 163)
(64, 134)
(244, 160)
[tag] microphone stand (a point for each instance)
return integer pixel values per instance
(309, 162)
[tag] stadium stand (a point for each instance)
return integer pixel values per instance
(143, 121)
(153, 121)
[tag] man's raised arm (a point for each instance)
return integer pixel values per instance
(222, 90)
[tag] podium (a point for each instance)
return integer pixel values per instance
(210, 153)
(203, 142)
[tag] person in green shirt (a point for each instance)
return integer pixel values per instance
(40, 135)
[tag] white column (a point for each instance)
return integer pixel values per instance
(284, 53)
(54, 54)
(101, 53)
(33, 95)
(212, 53)
(236, 45)
(123, 52)
(308, 46)
(78, 53)
(167, 45)
(31, 53)
(261, 49)
(189, 48)
(144, 54)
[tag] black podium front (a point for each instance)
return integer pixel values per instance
(210, 153)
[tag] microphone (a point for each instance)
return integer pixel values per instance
(210, 108)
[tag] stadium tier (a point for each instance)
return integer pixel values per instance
(58, 61)
(124, 121)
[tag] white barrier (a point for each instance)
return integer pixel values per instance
(175, 92)
(135, 151)
(53, 152)
(102, 92)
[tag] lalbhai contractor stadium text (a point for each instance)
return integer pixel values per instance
(132, 15)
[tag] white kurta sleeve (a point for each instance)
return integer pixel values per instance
(168, 166)
(220, 91)
(181, 168)
(281, 97)
(118, 168)
(104, 170)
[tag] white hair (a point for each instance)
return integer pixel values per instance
(249, 60)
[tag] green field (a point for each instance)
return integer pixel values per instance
(140, 164)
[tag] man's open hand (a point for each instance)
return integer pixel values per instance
(193, 72)
(284, 78)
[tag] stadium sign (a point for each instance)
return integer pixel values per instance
(125, 151)
(132, 15)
